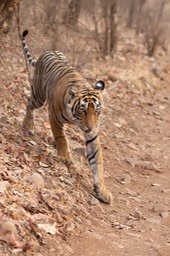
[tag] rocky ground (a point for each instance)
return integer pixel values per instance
(48, 209)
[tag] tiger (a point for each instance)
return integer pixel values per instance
(70, 99)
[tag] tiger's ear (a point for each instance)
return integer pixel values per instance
(72, 92)
(100, 85)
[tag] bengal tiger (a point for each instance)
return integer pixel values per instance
(70, 99)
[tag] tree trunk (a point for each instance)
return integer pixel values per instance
(139, 15)
(7, 8)
(72, 14)
(110, 21)
(113, 26)
(131, 14)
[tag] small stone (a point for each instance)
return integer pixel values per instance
(132, 146)
(36, 179)
(153, 220)
(127, 203)
(97, 208)
(125, 180)
(138, 215)
(133, 234)
(69, 249)
(131, 161)
(39, 254)
(155, 185)
(93, 234)
(3, 186)
(164, 214)
(128, 192)
(61, 178)
(112, 77)
(137, 200)
(92, 200)
(49, 228)
(9, 234)
(149, 166)
(160, 208)
(118, 225)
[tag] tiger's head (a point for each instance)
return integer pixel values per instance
(86, 106)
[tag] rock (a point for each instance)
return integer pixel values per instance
(155, 185)
(92, 200)
(70, 228)
(137, 215)
(68, 249)
(93, 234)
(125, 180)
(3, 186)
(118, 225)
(49, 228)
(137, 200)
(160, 208)
(132, 146)
(128, 192)
(164, 214)
(131, 161)
(9, 234)
(149, 166)
(97, 208)
(118, 245)
(36, 180)
(133, 234)
(112, 77)
(154, 220)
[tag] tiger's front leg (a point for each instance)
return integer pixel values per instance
(95, 159)
(60, 139)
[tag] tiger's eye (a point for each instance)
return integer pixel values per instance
(98, 106)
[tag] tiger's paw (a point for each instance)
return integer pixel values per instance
(28, 127)
(65, 159)
(103, 195)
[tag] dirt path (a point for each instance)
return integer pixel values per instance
(137, 156)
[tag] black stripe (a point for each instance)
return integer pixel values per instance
(58, 137)
(62, 115)
(64, 118)
(74, 104)
(92, 155)
(93, 163)
(91, 140)
(75, 107)
(56, 117)
(63, 72)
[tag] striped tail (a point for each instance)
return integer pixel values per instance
(26, 51)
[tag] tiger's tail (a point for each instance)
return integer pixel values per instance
(26, 51)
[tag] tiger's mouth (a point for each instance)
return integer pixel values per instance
(87, 129)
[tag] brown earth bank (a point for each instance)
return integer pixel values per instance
(48, 209)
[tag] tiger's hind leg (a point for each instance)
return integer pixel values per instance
(28, 122)
(64, 154)
(33, 103)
